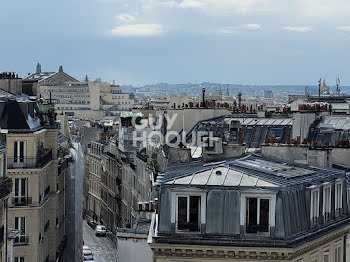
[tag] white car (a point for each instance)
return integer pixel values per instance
(100, 230)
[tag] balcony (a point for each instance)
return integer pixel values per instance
(257, 229)
(5, 187)
(21, 241)
(62, 166)
(30, 162)
(21, 201)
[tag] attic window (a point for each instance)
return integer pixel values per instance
(257, 215)
(188, 213)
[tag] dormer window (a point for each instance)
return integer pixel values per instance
(188, 213)
(338, 198)
(327, 200)
(257, 215)
(258, 212)
(314, 210)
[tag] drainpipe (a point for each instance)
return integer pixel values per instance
(6, 226)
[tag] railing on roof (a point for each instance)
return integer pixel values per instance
(29, 162)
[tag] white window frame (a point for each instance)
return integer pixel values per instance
(272, 207)
(21, 234)
(338, 195)
(17, 160)
(18, 259)
(312, 208)
(337, 252)
(327, 254)
(174, 197)
(327, 203)
(188, 210)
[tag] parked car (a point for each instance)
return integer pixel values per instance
(87, 252)
(89, 258)
(100, 230)
(86, 247)
(92, 224)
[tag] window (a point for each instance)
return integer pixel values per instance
(314, 257)
(20, 191)
(18, 152)
(314, 211)
(338, 198)
(326, 256)
(188, 213)
(19, 259)
(337, 253)
(327, 202)
(257, 215)
(20, 224)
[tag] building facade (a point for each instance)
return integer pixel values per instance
(251, 209)
(36, 203)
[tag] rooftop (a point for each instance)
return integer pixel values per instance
(249, 171)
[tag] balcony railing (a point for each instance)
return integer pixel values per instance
(21, 240)
(5, 187)
(30, 162)
(62, 166)
(257, 228)
(21, 201)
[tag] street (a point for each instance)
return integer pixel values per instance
(101, 247)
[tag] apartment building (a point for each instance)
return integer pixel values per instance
(5, 191)
(251, 209)
(94, 160)
(36, 204)
(94, 100)
(111, 188)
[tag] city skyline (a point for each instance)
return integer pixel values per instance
(145, 42)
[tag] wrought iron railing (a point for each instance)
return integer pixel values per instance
(62, 166)
(29, 162)
(21, 201)
(257, 228)
(21, 240)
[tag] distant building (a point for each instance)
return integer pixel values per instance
(85, 100)
(251, 209)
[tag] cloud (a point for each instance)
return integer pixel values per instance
(191, 4)
(344, 28)
(301, 29)
(183, 4)
(240, 28)
(125, 18)
(137, 30)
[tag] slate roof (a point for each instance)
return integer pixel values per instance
(19, 114)
(39, 76)
(249, 171)
(254, 129)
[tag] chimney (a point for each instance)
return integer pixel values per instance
(60, 69)
(203, 96)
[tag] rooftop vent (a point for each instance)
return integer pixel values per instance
(218, 173)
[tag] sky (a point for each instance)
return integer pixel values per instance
(178, 41)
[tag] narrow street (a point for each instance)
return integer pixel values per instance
(101, 247)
